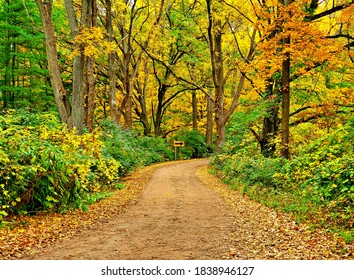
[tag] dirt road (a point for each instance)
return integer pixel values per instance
(177, 217)
(186, 213)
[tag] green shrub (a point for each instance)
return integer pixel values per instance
(132, 150)
(316, 185)
(254, 170)
(48, 168)
(195, 145)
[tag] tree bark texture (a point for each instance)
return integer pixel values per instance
(140, 97)
(216, 57)
(83, 73)
(60, 94)
(78, 100)
(194, 110)
(285, 93)
(209, 128)
(90, 81)
(112, 79)
(127, 85)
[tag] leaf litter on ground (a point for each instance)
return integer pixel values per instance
(30, 233)
(259, 232)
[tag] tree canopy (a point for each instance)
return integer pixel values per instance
(140, 63)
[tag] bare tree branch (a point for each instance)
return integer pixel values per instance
(327, 12)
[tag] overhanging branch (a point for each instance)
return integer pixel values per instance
(328, 12)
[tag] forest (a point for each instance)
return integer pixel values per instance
(92, 89)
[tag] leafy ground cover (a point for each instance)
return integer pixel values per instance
(315, 186)
(262, 232)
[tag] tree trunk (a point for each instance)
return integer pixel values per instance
(111, 66)
(159, 113)
(7, 80)
(90, 20)
(219, 119)
(219, 88)
(195, 110)
(270, 130)
(143, 115)
(285, 92)
(90, 92)
(112, 88)
(78, 100)
(128, 114)
(60, 95)
(271, 120)
(209, 125)
(141, 89)
(127, 53)
(216, 57)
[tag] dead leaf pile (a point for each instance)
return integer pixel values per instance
(260, 232)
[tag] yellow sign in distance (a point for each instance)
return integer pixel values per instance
(178, 143)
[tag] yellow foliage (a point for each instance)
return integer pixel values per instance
(94, 40)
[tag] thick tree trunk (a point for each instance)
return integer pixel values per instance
(194, 110)
(218, 70)
(7, 76)
(60, 95)
(143, 115)
(144, 112)
(141, 89)
(112, 88)
(271, 120)
(159, 112)
(128, 114)
(216, 57)
(270, 130)
(90, 92)
(219, 116)
(78, 100)
(111, 66)
(209, 125)
(90, 20)
(126, 71)
(285, 92)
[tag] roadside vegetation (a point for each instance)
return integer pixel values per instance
(315, 186)
(44, 167)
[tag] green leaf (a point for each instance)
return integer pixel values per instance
(51, 179)
(3, 213)
(33, 159)
(50, 198)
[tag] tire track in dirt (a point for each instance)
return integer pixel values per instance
(177, 217)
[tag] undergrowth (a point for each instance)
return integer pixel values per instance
(44, 167)
(316, 186)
